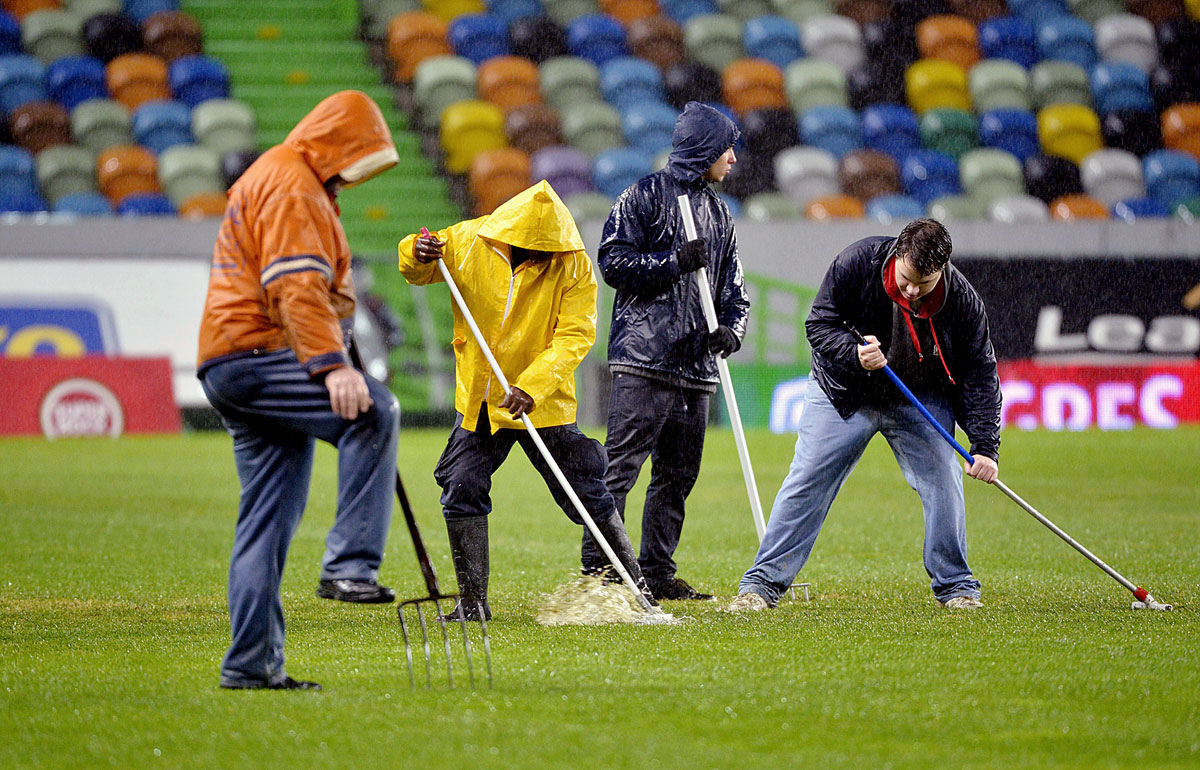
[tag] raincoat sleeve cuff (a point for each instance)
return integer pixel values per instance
(318, 365)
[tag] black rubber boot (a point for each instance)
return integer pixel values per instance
(614, 532)
(469, 550)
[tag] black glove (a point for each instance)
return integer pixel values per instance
(691, 256)
(722, 341)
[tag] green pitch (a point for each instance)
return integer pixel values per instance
(112, 623)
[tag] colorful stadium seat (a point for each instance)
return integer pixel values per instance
(627, 80)
(172, 34)
(1181, 128)
(195, 79)
(1033, 10)
(448, 10)
(65, 170)
(1092, 11)
(18, 175)
(891, 128)
(234, 164)
(831, 207)
(21, 203)
(412, 38)
(376, 16)
(1178, 41)
(863, 12)
(628, 11)
(805, 173)
(1157, 11)
(949, 131)
(1059, 82)
(680, 11)
(10, 34)
(932, 84)
(615, 169)
(1018, 210)
(1120, 86)
(834, 39)
(927, 175)
(439, 82)
(140, 10)
(135, 78)
(1009, 37)
(22, 80)
(1112, 175)
(1071, 131)
(774, 38)
(867, 174)
(814, 83)
(38, 125)
(768, 131)
(1014, 131)
(750, 176)
(592, 127)
(801, 11)
(889, 209)
(146, 205)
(205, 205)
(1189, 210)
(51, 35)
(988, 173)
(514, 10)
(568, 80)
(1174, 85)
(110, 35)
(997, 84)
(1050, 177)
(566, 11)
(495, 176)
(74, 79)
(468, 128)
(890, 43)
(753, 84)
(126, 170)
(98, 124)
(1066, 38)
(1132, 130)
(1171, 176)
(979, 11)
(872, 83)
(568, 170)
(1128, 38)
(691, 82)
(588, 206)
(658, 40)
(957, 207)
(1070, 208)
(158, 126)
(713, 40)
(1136, 209)
(22, 8)
(508, 82)
(771, 207)
(597, 38)
(478, 37)
(836, 130)
(647, 126)
(84, 204)
(532, 127)
(949, 38)
(224, 126)
(537, 39)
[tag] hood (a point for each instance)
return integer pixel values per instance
(345, 134)
(536, 219)
(702, 134)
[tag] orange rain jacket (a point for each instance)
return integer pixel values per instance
(539, 320)
(280, 274)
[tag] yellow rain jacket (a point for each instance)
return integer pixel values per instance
(539, 320)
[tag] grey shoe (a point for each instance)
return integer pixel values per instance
(747, 602)
(962, 603)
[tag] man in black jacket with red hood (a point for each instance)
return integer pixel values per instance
(923, 318)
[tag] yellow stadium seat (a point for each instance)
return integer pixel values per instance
(469, 128)
(449, 10)
(1069, 131)
(1193, 9)
(931, 83)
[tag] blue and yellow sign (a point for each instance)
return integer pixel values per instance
(64, 328)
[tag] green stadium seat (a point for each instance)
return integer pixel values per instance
(98, 124)
(569, 80)
(952, 207)
(998, 84)
(988, 174)
(566, 11)
(52, 34)
(744, 10)
(1059, 82)
(188, 170)
(772, 207)
(377, 14)
(589, 206)
(950, 131)
(592, 127)
(224, 125)
(86, 9)
(439, 82)
(65, 170)
(1092, 11)
(801, 11)
(714, 40)
(815, 83)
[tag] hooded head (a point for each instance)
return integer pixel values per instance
(345, 135)
(534, 219)
(702, 134)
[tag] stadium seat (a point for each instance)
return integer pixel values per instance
(592, 127)
(910, 13)
(537, 39)
(468, 128)
(890, 43)
(376, 16)
(1120, 86)
(872, 83)
(412, 38)
(1181, 128)
(597, 38)
(768, 131)
(1171, 176)
(1009, 37)
(863, 12)
(146, 205)
(568, 170)
(84, 204)
(647, 126)
(1174, 85)
(615, 169)
(568, 80)
(508, 82)
(495, 176)
(658, 40)
(125, 170)
(751, 175)
(1059, 82)
(234, 164)
(532, 127)
(773, 38)
(205, 205)
(52, 34)
(835, 39)
(1189, 210)
(957, 207)
(172, 34)
(98, 124)
(932, 84)
(627, 80)
(928, 174)
(22, 80)
(805, 173)
(21, 203)
(1014, 131)
(1066, 38)
(681, 11)
(891, 128)
(1157, 11)
(10, 34)
(195, 79)
(753, 84)
(478, 37)
(135, 78)
(1136, 209)
(1178, 41)
(65, 170)
(691, 82)
(771, 207)
(988, 173)
(1128, 38)
(140, 10)
(510, 11)
(188, 170)
(713, 40)
(1070, 131)
(1049, 177)
(867, 174)
(38, 125)
(440, 81)
(1132, 130)
(74, 79)
(744, 10)
(836, 130)
(979, 11)
(448, 10)
(628, 11)
(110, 35)
(18, 174)
(831, 207)
(86, 9)
(1070, 208)
(588, 206)
(997, 84)
(949, 38)
(1110, 176)
(158, 126)
(224, 125)
(1018, 210)
(889, 209)
(1092, 11)
(812, 83)
(949, 131)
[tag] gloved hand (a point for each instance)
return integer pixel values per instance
(722, 341)
(691, 255)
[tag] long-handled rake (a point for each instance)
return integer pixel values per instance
(1144, 600)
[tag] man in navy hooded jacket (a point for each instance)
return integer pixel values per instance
(660, 351)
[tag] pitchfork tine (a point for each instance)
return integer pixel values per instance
(487, 645)
(412, 681)
(446, 644)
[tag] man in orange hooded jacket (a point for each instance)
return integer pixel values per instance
(274, 363)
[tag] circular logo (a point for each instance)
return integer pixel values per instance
(81, 407)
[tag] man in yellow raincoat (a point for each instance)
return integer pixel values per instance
(528, 282)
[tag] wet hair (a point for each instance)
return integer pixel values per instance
(925, 244)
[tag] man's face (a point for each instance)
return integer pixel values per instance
(912, 283)
(720, 169)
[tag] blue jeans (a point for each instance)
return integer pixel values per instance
(827, 449)
(274, 411)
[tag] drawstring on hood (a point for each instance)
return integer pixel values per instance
(930, 304)
(702, 135)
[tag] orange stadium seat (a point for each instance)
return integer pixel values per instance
(172, 34)
(509, 82)
(753, 84)
(628, 11)
(658, 40)
(933, 83)
(469, 128)
(532, 127)
(412, 38)
(497, 175)
(834, 207)
(205, 205)
(22, 8)
(1069, 131)
(135, 78)
(949, 38)
(1181, 127)
(1068, 208)
(125, 170)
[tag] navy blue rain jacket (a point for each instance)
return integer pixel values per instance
(853, 292)
(658, 323)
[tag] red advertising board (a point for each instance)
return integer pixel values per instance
(87, 396)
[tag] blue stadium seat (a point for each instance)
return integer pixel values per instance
(1036, 10)
(682, 10)
(834, 129)
(158, 126)
(140, 10)
(18, 172)
(22, 80)
(627, 80)
(479, 37)
(647, 126)
(195, 79)
(774, 38)
(1009, 37)
(1067, 38)
(84, 204)
(1120, 86)
(929, 174)
(618, 168)
(597, 38)
(10, 34)
(1140, 208)
(513, 10)
(892, 128)
(75, 79)
(146, 205)
(894, 208)
(1014, 131)
(567, 169)
(735, 205)
(1171, 176)
(21, 203)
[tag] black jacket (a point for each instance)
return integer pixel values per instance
(853, 291)
(658, 324)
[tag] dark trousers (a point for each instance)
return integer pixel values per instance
(465, 469)
(647, 418)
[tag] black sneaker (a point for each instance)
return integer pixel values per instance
(677, 589)
(468, 611)
(287, 683)
(356, 591)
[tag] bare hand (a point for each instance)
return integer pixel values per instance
(427, 248)
(517, 402)
(984, 468)
(870, 356)
(348, 394)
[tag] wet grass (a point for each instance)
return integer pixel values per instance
(112, 623)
